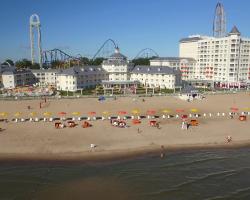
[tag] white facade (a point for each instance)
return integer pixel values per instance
(15, 78)
(77, 78)
(46, 77)
(225, 60)
(117, 67)
(187, 66)
(152, 76)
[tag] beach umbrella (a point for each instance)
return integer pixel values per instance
(33, 114)
(234, 109)
(194, 110)
(246, 109)
(76, 113)
(122, 112)
(47, 114)
(166, 111)
(135, 111)
(3, 114)
(105, 112)
(92, 113)
(17, 114)
(151, 112)
(62, 113)
(180, 110)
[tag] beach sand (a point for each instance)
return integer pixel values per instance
(42, 141)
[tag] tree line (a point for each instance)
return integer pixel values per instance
(25, 63)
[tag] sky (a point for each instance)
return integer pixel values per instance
(81, 26)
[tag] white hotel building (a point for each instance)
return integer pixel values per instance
(117, 71)
(187, 66)
(225, 60)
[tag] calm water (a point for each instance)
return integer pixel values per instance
(195, 174)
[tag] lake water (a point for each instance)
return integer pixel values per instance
(194, 174)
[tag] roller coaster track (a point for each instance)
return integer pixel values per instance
(53, 55)
(102, 47)
(146, 53)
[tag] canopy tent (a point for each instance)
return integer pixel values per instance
(101, 98)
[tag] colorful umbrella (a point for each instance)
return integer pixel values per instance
(62, 113)
(105, 112)
(76, 113)
(246, 109)
(194, 110)
(135, 111)
(3, 114)
(92, 113)
(180, 110)
(17, 114)
(47, 114)
(166, 111)
(33, 114)
(151, 112)
(122, 112)
(234, 109)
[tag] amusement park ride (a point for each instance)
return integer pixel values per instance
(47, 57)
(63, 59)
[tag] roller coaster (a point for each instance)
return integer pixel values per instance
(107, 48)
(57, 55)
(146, 53)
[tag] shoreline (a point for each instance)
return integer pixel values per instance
(115, 155)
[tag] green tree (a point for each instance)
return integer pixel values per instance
(141, 61)
(97, 61)
(24, 63)
(9, 61)
(84, 61)
(35, 66)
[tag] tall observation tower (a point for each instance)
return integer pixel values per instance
(219, 25)
(35, 24)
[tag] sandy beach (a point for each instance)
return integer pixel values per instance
(38, 140)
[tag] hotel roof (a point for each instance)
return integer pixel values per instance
(172, 59)
(145, 69)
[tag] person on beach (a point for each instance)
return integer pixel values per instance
(138, 130)
(183, 125)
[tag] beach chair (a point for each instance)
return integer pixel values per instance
(242, 118)
(194, 122)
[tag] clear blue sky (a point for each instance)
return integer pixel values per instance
(81, 26)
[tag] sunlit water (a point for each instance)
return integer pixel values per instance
(194, 174)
